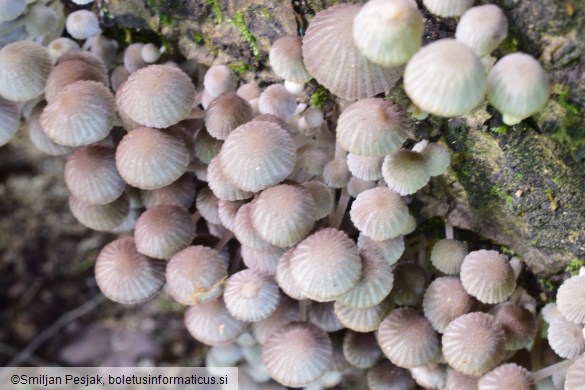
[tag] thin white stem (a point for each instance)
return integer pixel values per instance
(224, 240)
(341, 208)
(303, 309)
(550, 370)
(449, 230)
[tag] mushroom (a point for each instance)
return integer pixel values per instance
(251, 296)
(212, 324)
(82, 24)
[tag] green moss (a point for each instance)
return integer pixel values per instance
(575, 266)
(240, 68)
(198, 38)
(264, 13)
(547, 285)
(500, 130)
(562, 94)
(216, 9)
(320, 97)
(239, 22)
(500, 193)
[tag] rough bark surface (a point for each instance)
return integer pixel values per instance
(521, 186)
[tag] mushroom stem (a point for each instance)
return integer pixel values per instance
(196, 217)
(196, 113)
(449, 230)
(303, 307)
(235, 263)
(224, 240)
(339, 151)
(550, 370)
(536, 346)
(337, 216)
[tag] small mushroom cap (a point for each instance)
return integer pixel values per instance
(24, 68)
(227, 211)
(410, 283)
(225, 113)
(286, 60)
(408, 339)
(150, 53)
(196, 275)
(457, 380)
(251, 296)
(164, 230)
(507, 376)
(257, 155)
(100, 217)
(571, 299)
(85, 56)
(149, 158)
(387, 376)
(208, 205)
(566, 338)
(437, 157)
(284, 214)
(38, 137)
(405, 171)
(68, 72)
(313, 117)
(125, 276)
(576, 375)
(488, 276)
(322, 197)
(41, 20)
(9, 120)
(323, 315)
(11, 9)
(286, 312)
(181, 193)
(81, 114)
(133, 57)
(285, 279)
(221, 186)
(219, 79)
(334, 60)
(445, 300)
(482, 28)
(335, 273)
(91, 174)
(363, 320)
(365, 167)
(379, 213)
(447, 256)
(336, 173)
(60, 46)
(518, 322)
(518, 87)
(297, 354)
(118, 76)
(249, 91)
(390, 249)
(82, 24)
(448, 8)
(212, 324)
(361, 349)
(474, 343)
(171, 103)
(356, 186)
(388, 33)
(431, 376)
(445, 78)
(244, 231)
(374, 285)
(372, 127)
(206, 147)
(262, 260)
(277, 101)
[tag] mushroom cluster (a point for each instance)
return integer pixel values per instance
(287, 230)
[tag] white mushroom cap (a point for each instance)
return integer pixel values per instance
(447, 8)
(518, 87)
(482, 28)
(11, 9)
(388, 33)
(82, 24)
(445, 78)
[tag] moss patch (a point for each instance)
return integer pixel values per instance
(239, 21)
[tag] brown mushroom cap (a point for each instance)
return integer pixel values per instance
(225, 113)
(156, 96)
(126, 276)
(488, 276)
